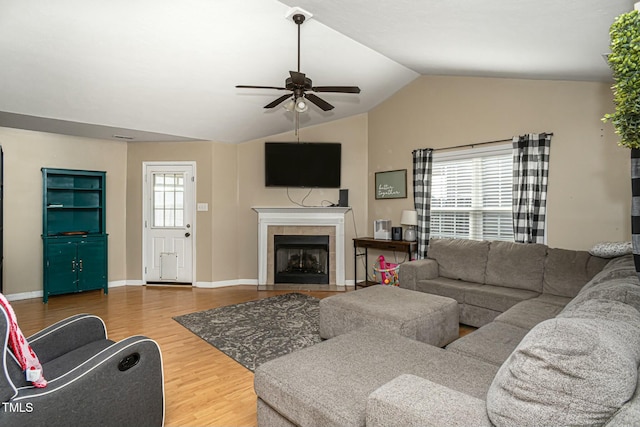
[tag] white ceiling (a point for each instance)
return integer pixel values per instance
(166, 70)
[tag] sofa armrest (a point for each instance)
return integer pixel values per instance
(67, 335)
(413, 271)
(100, 391)
(409, 400)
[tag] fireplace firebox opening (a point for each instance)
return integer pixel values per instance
(301, 259)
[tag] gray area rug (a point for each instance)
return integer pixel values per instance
(255, 332)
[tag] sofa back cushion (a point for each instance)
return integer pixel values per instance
(460, 259)
(603, 309)
(622, 290)
(516, 265)
(567, 271)
(568, 371)
(617, 268)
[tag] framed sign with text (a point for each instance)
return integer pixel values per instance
(391, 184)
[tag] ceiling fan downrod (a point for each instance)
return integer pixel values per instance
(298, 18)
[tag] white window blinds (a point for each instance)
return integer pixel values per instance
(471, 194)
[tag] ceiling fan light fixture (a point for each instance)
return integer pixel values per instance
(301, 105)
(289, 105)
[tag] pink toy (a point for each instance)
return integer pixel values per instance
(388, 272)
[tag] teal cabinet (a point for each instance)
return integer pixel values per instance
(73, 231)
(74, 264)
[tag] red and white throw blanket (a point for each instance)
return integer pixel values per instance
(21, 349)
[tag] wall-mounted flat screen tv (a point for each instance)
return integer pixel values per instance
(302, 164)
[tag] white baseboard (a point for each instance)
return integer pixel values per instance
(24, 295)
(134, 282)
(223, 283)
(38, 294)
(118, 283)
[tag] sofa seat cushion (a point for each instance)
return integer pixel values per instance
(566, 271)
(497, 298)
(450, 288)
(529, 313)
(460, 259)
(477, 316)
(413, 401)
(516, 265)
(567, 371)
(492, 343)
(328, 384)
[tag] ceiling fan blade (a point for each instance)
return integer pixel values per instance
(297, 78)
(340, 89)
(260, 87)
(319, 102)
(278, 101)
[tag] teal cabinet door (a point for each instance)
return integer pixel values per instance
(62, 268)
(92, 272)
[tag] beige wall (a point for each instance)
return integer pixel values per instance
(352, 133)
(199, 152)
(225, 257)
(589, 186)
(25, 153)
(231, 179)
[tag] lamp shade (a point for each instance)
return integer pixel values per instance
(301, 105)
(289, 105)
(409, 218)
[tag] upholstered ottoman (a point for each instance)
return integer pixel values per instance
(424, 317)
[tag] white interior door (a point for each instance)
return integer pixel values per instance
(169, 228)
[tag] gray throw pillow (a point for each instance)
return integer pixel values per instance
(611, 249)
(567, 372)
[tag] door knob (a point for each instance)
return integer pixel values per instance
(187, 234)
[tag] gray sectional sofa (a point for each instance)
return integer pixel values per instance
(489, 277)
(568, 354)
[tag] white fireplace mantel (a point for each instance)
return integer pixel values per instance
(300, 216)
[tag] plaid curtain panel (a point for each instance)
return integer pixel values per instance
(530, 176)
(635, 207)
(422, 197)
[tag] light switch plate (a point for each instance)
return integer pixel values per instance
(203, 207)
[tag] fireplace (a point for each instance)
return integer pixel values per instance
(298, 221)
(301, 259)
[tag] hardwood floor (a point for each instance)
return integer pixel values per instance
(203, 386)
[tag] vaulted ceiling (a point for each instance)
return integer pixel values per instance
(167, 70)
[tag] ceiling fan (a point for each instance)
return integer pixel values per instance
(300, 85)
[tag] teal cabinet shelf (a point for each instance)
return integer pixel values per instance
(74, 231)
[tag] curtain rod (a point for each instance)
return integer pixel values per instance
(482, 143)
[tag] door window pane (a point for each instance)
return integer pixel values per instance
(168, 200)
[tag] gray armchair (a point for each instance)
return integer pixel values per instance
(92, 381)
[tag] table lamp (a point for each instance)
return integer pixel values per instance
(409, 218)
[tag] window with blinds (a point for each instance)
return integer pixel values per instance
(471, 194)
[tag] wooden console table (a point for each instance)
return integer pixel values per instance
(385, 245)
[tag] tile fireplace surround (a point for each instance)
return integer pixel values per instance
(327, 221)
